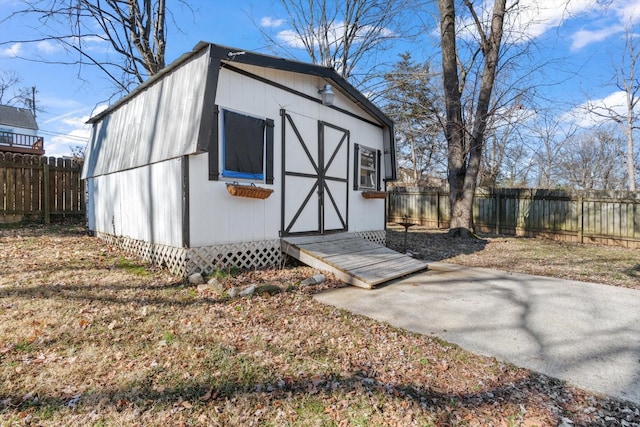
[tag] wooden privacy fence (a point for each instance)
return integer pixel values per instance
(604, 217)
(38, 187)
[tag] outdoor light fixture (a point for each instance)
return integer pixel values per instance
(327, 95)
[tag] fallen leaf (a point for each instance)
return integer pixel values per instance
(208, 395)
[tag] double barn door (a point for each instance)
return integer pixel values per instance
(315, 185)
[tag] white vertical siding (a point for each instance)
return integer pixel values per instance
(366, 214)
(216, 217)
(144, 203)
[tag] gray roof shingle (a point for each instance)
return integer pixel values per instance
(17, 117)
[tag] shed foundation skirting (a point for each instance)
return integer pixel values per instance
(375, 236)
(246, 255)
(171, 257)
(185, 261)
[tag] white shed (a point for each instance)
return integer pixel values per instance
(209, 163)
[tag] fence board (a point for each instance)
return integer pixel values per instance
(37, 186)
(11, 191)
(598, 217)
(3, 183)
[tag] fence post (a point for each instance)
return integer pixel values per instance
(47, 197)
(437, 209)
(497, 212)
(581, 219)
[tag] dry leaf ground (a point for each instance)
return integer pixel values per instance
(89, 336)
(609, 265)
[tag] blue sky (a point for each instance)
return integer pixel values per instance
(581, 42)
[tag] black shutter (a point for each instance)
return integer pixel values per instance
(378, 187)
(214, 164)
(269, 154)
(356, 169)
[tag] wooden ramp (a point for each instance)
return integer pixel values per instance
(351, 258)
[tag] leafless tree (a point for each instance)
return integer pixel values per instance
(12, 91)
(549, 136)
(517, 166)
(627, 80)
(348, 35)
(10, 88)
(591, 161)
(504, 142)
(134, 29)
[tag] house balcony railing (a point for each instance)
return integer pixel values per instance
(18, 143)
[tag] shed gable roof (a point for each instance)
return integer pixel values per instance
(130, 136)
(17, 117)
(225, 53)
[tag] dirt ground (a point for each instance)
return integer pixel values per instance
(91, 336)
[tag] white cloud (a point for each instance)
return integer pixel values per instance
(64, 132)
(61, 145)
(334, 35)
(270, 22)
(12, 51)
(628, 10)
(48, 47)
(584, 37)
(290, 38)
(531, 19)
(593, 112)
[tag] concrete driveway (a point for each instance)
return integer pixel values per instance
(584, 333)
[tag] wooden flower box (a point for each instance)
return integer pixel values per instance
(252, 191)
(374, 194)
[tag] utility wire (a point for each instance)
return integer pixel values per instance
(66, 135)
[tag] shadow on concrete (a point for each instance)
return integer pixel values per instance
(583, 333)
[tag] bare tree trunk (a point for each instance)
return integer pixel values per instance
(631, 166)
(454, 128)
(464, 147)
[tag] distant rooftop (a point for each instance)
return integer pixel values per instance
(17, 117)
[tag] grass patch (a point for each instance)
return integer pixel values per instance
(633, 272)
(133, 267)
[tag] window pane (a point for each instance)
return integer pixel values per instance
(367, 168)
(367, 179)
(367, 159)
(243, 146)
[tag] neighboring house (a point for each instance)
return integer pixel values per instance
(209, 163)
(19, 131)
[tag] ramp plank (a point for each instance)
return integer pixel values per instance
(351, 258)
